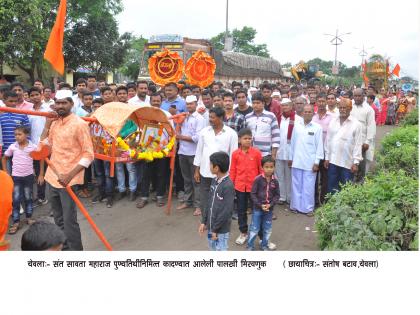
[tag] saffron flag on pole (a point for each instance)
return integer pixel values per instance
(365, 78)
(396, 70)
(54, 51)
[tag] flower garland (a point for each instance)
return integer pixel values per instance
(143, 153)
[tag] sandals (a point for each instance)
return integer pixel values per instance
(84, 193)
(197, 212)
(142, 203)
(183, 206)
(14, 228)
(30, 221)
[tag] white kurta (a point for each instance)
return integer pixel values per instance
(343, 146)
(284, 148)
(208, 143)
(366, 116)
(306, 149)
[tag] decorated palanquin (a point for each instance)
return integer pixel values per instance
(125, 132)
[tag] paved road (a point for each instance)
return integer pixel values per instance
(129, 228)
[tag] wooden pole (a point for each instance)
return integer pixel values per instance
(38, 113)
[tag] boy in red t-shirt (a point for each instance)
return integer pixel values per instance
(245, 166)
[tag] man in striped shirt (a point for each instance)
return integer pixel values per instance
(9, 121)
(264, 127)
(343, 147)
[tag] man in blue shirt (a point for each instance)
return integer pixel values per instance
(9, 121)
(92, 87)
(173, 103)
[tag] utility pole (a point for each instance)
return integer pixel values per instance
(227, 17)
(363, 52)
(228, 39)
(336, 40)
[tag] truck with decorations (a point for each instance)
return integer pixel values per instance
(230, 66)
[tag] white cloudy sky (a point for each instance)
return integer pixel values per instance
(293, 30)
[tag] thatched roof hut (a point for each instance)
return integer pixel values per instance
(234, 64)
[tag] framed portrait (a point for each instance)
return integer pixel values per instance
(149, 130)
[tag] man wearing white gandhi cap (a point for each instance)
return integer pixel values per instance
(71, 152)
(188, 139)
(283, 172)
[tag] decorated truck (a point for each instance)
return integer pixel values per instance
(230, 65)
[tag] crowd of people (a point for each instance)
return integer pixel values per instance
(241, 150)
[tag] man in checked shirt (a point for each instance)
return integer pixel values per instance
(232, 119)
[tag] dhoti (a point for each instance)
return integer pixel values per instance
(303, 190)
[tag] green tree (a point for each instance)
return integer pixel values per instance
(96, 44)
(243, 41)
(30, 23)
(131, 66)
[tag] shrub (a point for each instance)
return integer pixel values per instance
(400, 151)
(381, 214)
(411, 118)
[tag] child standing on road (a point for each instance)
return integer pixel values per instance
(217, 215)
(264, 195)
(23, 175)
(246, 165)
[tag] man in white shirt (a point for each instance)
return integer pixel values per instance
(343, 147)
(214, 138)
(37, 127)
(188, 138)
(157, 171)
(283, 173)
(332, 104)
(48, 101)
(207, 98)
(298, 104)
(306, 152)
(141, 98)
(78, 98)
(366, 116)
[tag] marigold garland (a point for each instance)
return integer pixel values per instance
(140, 153)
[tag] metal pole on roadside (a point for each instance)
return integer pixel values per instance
(336, 40)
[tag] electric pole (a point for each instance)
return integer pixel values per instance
(336, 40)
(363, 52)
(228, 39)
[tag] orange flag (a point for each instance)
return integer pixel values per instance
(365, 78)
(396, 70)
(54, 51)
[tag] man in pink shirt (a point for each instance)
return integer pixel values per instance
(19, 89)
(323, 118)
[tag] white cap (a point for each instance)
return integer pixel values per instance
(190, 99)
(286, 100)
(60, 94)
(276, 93)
